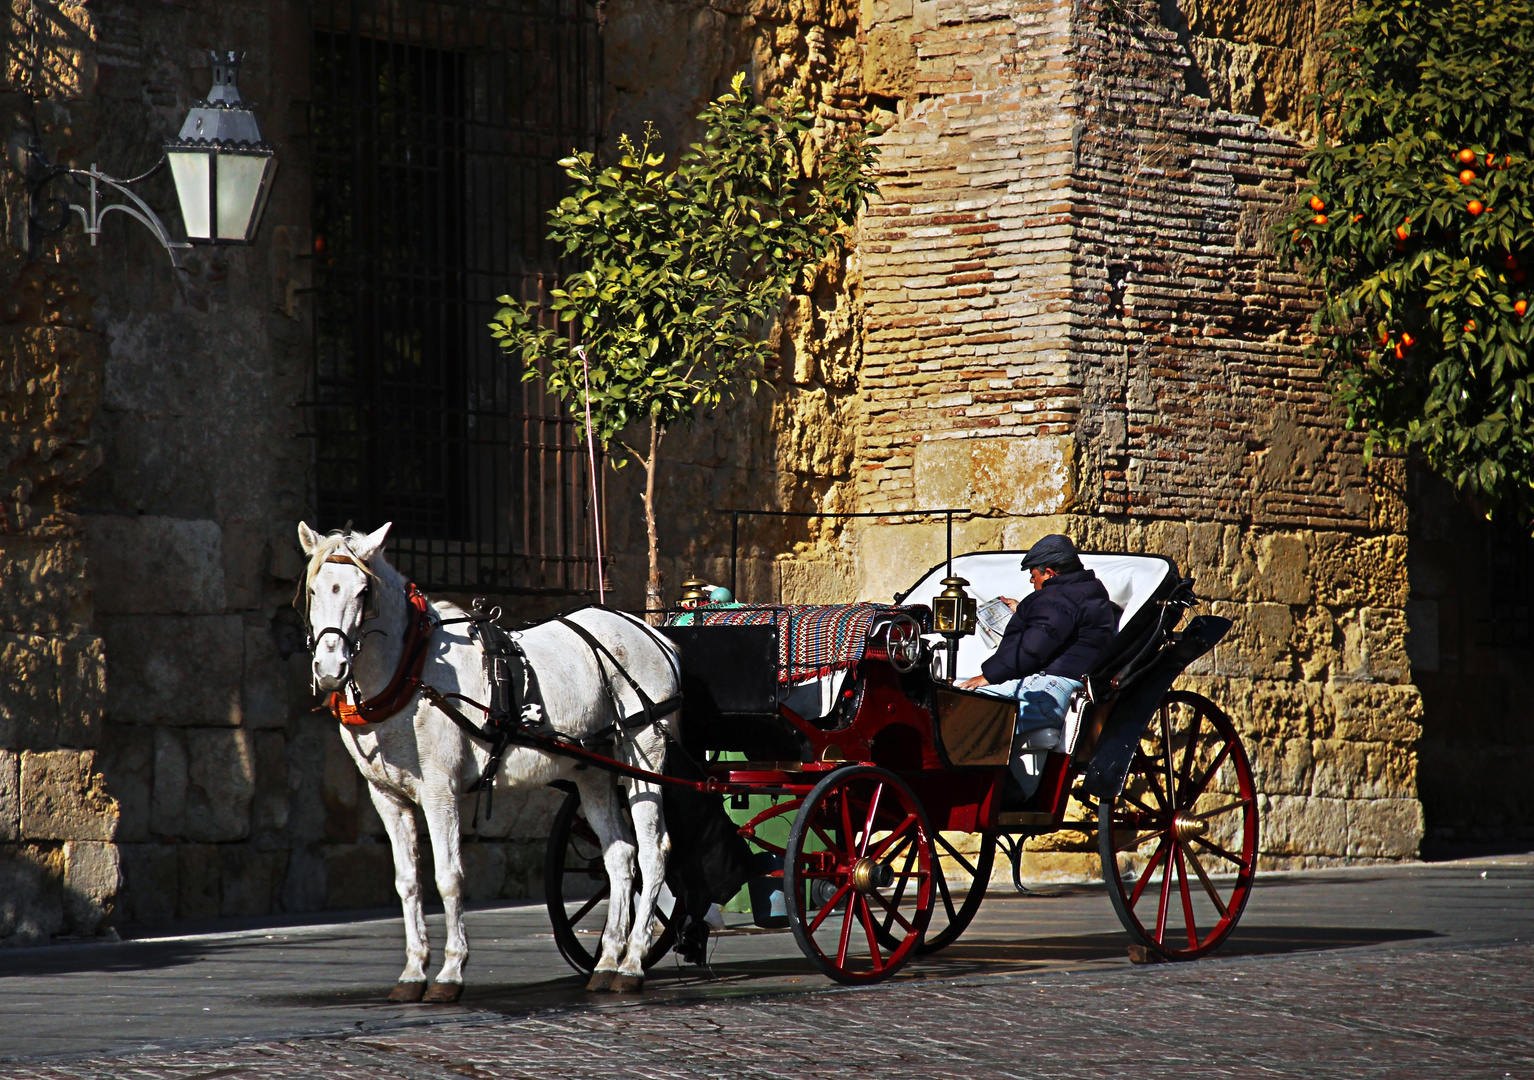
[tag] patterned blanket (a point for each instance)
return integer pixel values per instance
(813, 639)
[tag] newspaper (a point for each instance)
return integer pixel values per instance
(991, 618)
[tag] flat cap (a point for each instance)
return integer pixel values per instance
(1054, 551)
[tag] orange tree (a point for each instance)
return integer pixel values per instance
(1418, 226)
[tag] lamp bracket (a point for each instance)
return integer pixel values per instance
(94, 210)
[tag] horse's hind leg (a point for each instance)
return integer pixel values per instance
(604, 813)
(442, 821)
(653, 843)
(399, 821)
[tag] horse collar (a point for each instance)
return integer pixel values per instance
(407, 675)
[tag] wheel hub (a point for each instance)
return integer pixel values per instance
(1185, 827)
(869, 875)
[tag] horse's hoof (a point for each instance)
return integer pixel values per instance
(627, 984)
(601, 980)
(407, 993)
(443, 993)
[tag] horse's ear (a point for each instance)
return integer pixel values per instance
(308, 539)
(372, 543)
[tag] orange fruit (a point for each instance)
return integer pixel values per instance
(1400, 355)
(1475, 207)
(1407, 339)
(1467, 177)
(1402, 232)
(1491, 161)
(1520, 307)
(1317, 204)
(1357, 218)
(1467, 156)
(1511, 262)
(1319, 219)
(1469, 326)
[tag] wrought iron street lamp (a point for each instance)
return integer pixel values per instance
(221, 167)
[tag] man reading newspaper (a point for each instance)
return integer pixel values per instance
(1055, 635)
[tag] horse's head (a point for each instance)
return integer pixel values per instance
(337, 595)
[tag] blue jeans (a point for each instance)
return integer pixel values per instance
(1041, 703)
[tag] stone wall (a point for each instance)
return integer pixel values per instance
(59, 871)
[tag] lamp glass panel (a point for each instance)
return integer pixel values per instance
(240, 179)
(189, 169)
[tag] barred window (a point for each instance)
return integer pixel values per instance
(436, 130)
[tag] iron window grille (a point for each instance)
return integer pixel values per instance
(436, 129)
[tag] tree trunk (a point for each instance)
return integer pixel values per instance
(652, 585)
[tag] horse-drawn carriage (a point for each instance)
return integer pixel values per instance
(893, 781)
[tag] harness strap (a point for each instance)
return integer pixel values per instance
(649, 707)
(407, 676)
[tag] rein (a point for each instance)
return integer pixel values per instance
(406, 681)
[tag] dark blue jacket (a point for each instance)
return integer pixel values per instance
(1059, 629)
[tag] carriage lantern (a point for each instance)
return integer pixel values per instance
(222, 168)
(953, 612)
(695, 591)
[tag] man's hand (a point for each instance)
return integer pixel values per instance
(974, 683)
(1011, 603)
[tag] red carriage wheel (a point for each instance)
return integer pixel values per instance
(955, 904)
(1179, 845)
(858, 876)
(576, 888)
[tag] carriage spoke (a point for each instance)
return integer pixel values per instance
(882, 845)
(894, 914)
(1209, 773)
(905, 876)
(1214, 896)
(942, 888)
(824, 839)
(1187, 900)
(828, 907)
(873, 813)
(1145, 875)
(1166, 894)
(585, 909)
(841, 949)
(1218, 850)
(1166, 745)
(867, 919)
(1218, 810)
(954, 853)
(1140, 805)
(1135, 839)
(1185, 772)
(847, 833)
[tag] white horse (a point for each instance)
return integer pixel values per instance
(359, 614)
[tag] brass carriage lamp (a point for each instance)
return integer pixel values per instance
(222, 168)
(953, 613)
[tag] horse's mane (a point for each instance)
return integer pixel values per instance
(335, 542)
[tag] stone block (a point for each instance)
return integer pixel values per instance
(484, 871)
(524, 870)
(1283, 566)
(1052, 867)
(250, 879)
(45, 584)
(1354, 571)
(245, 559)
(269, 805)
(221, 781)
(1283, 710)
(92, 879)
(359, 876)
(889, 62)
(1384, 828)
(31, 893)
(1365, 770)
(167, 804)
(340, 786)
(150, 883)
(1297, 825)
(168, 669)
(1016, 476)
(1259, 645)
(126, 760)
(1282, 766)
(309, 743)
(519, 813)
(28, 692)
(199, 893)
(10, 796)
(264, 686)
(64, 798)
(81, 666)
(1374, 712)
(1384, 645)
(147, 565)
(305, 886)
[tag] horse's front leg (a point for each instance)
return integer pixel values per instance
(441, 809)
(399, 821)
(604, 813)
(654, 846)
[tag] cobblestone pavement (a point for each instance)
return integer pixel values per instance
(1400, 972)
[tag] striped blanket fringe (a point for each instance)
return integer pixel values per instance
(813, 639)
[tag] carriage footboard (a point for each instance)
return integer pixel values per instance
(1134, 706)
